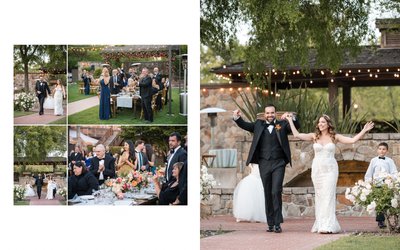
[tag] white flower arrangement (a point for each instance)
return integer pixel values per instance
(62, 192)
(381, 195)
(19, 192)
(24, 101)
(206, 183)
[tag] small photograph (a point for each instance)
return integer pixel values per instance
(40, 165)
(40, 84)
(127, 84)
(127, 165)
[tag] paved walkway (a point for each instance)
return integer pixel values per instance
(46, 118)
(295, 235)
(78, 106)
(35, 200)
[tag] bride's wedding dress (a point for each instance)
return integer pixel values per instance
(48, 102)
(248, 198)
(29, 191)
(50, 186)
(324, 175)
(58, 100)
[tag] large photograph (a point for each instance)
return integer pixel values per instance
(299, 123)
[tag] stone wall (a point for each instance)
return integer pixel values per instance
(297, 202)
(19, 80)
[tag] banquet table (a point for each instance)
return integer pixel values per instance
(131, 101)
(131, 200)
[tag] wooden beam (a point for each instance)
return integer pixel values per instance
(333, 91)
(346, 99)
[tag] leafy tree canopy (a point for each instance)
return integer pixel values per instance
(34, 143)
(287, 32)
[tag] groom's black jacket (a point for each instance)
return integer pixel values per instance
(282, 128)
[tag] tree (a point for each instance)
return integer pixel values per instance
(57, 59)
(285, 33)
(26, 55)
(34, 143)
(154, 135)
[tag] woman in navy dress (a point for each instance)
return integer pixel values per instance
(105, 95)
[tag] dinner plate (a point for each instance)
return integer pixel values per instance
(87, 197)
(123, 202)
(142, 196)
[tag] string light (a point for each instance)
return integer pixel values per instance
(370, 75)
(359, 70)
(368, 70)
(332, 80)
(298, 72)
(204, 90)
(354, 78)
(230, 89)
(347, 74)
(275, 73)
(376, 76)
(378, 70)
(387, 70)
(322, 72)
(239, 74)
(311, 81)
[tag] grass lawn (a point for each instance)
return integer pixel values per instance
(22, 113)
(23, 202)
(60, 121)
(125, 116)
(365, 241)
(74, 95)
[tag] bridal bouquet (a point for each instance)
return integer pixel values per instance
(24, 101)
(206, 183)
(19, 192)
(381, 196)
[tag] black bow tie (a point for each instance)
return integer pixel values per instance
(172, 151)
(383, 157)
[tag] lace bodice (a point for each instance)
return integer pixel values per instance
(324, 151)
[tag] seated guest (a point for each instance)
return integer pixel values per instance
(168, 193)
(82, 182)
(103, 165)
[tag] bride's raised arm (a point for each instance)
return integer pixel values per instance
(349, 140)
(301, 136)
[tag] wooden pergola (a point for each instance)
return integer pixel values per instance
(373, 67)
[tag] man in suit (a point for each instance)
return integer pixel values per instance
(116, 82)
(157, 77)
(86, 80)
(146, 89)
(39, 183)
(270, 150)
(177, 154)
(103, 165)
(142, 160)
(41, 89)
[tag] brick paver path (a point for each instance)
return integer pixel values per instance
(46, 118)
(296, 233)
(35, 200)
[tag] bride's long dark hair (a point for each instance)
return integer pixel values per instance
(331, 128)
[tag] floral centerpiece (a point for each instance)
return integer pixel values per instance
(24, 101)
(19, 192)
(382, 195)
(62, 192)
(134, 180)
(206, 183)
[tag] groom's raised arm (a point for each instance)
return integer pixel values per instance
(248, 126)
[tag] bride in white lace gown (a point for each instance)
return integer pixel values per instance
(59, 95)
(324, 170)
(248, 198)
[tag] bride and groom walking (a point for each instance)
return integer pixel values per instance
(46, 101)
(271, 151)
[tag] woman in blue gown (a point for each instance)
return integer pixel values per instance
(105, 95)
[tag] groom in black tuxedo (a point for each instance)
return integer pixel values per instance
(270, 150)
(39, 183)
(41, 89)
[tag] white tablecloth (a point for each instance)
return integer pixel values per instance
(124, 101)
(224, 157)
